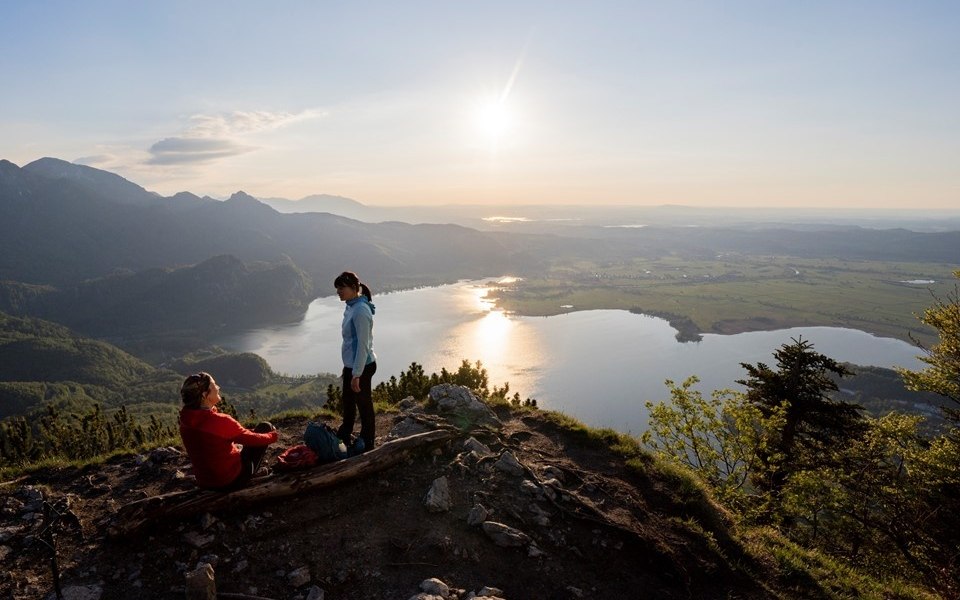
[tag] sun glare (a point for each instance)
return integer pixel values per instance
(493, 119)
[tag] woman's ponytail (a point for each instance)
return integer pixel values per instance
(350, 279)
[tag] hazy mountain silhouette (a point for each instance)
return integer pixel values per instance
(62, 224)
(325, 203)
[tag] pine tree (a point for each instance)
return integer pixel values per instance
(813, 424)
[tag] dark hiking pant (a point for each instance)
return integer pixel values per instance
(250, 459)
(362, 402)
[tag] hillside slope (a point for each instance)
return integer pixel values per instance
(596, 528)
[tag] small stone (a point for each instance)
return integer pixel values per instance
(508, 463)
(198, 540)
(575, 591)
(530, 488)
(490, 591)
(315, 593)
(435, 586)
(438, 497)
(211, 559)
(240, 566)
(299, 577)
(473, 445)
(478, 514)
(554, 472)
(79, 592)
(200, 584)
(207, 521)
(534, 552)
(504, 535)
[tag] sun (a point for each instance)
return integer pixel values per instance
(492, 119)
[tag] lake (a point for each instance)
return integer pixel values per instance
(599, 366)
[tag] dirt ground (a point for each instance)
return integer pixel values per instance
(595, 530)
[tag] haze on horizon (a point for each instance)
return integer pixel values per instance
(839, 104)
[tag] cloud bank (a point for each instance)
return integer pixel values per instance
(213, 137)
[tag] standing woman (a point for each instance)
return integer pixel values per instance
(359, 361)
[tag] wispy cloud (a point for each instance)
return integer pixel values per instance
(244, 122)
(180, 150)
(212, 137)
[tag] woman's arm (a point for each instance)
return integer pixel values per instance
(363, 325)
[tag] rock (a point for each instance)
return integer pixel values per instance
(79, 592)
(5, 552)
(162, 455)
(211, 559)
(207, 521)
(477, 515)
(200, 584)
(435, 586)
(462, 407)
(426, 596)
(508, 463)
(32, 499)
(315, 593)
(473, 445)
(299, 577)
(540, 516)
(530, 488)
(198, 540)
(241, 566)
(554, 472)
(406, 428)
(534, 552)
(575, 592)
(438, 498)
(8, 533)
(490, 591)
(504, 535)
(410, 405)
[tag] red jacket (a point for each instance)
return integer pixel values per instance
(209, 438)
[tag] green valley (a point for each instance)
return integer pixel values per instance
(734, 292)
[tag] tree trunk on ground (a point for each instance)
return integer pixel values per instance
(134, 516)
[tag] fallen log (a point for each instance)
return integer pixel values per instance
(134, 516)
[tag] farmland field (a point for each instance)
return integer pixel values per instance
(735, 293)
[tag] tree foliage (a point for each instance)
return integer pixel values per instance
(942, 374)
(61, 435)
(720, 438)
(877, 492)
(415, 383)
(813, 426)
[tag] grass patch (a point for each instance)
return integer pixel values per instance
(15, 471)
(813, 574)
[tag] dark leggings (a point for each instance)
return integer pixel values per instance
(250, 459)
(362, 401)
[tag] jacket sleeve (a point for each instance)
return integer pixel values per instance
(231, 429)
(363, 325)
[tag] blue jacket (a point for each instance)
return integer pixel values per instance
(357, 330)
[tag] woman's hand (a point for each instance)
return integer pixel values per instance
(355, 385)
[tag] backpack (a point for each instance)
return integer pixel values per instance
(296, 457)
(323, 440)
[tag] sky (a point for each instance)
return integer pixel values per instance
(827, 103)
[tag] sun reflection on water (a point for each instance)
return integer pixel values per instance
(497, 339)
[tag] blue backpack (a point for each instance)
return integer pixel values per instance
(323, 440)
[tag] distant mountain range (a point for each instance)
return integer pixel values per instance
(62, 224)
(90, 249)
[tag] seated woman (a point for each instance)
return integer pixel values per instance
(211, 437)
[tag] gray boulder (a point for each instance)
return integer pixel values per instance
(462, 407)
